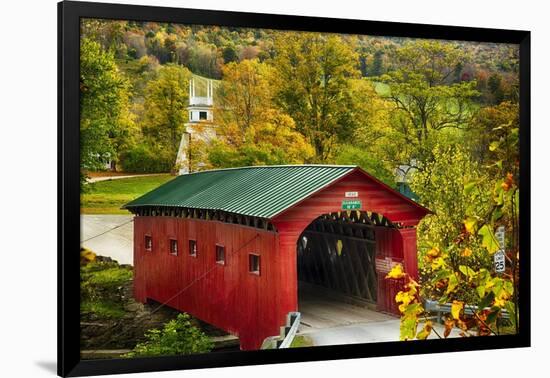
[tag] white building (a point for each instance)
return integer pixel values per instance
(200, 125)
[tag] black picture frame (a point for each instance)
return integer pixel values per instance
(69, 15)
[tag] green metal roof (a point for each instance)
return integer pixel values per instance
(262, 191)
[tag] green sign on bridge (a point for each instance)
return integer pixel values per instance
(351, 205)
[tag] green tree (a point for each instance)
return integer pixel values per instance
(105, 121)
(440, 186)
(424, 97)
(165, 104)
(370, 116)
(313, 86)
(496, 127)
(352, 155)
(230, 54)
(377, 64)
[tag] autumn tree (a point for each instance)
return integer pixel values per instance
(369, 117)
(492, 137)
(105, 121)
(165, 107)
(458, 267)
(244, 93)
(425, 99)
(251, 129)
(313, 87)
(440, 185)
(109, 34)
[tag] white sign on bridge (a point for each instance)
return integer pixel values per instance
(384, 264)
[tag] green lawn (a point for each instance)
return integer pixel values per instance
(301, 341)
(106, 197)
(100, 289)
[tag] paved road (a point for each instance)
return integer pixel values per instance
(116, 177)
(117, 244)
(329, 322)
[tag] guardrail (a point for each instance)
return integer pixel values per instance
(445, 308)
(288, 332)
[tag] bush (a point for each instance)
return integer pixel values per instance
(222, 156)
(178, 336)
(143, 159)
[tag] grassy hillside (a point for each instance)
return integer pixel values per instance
(106, 197)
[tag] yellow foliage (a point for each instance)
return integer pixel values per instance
(438, 263)
(470, 225)
(456, 308)
(433, 253)
(339, 247)
(499, 302)
(86, 256)
(396, 272)
(501, 299)
(249, 120)
(405, 297)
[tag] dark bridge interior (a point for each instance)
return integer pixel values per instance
(337, 252)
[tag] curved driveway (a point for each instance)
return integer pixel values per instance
(117, 244)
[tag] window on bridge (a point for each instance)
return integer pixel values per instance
(174, 247)
(254, 264)
(220, 254)
(193, 248)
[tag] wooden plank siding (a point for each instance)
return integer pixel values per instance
(226, 296)
(388, 244)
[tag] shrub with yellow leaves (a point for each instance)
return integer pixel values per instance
(457, 243)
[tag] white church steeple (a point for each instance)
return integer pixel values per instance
(200, 125)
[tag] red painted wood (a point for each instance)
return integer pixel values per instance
(226, 296)
(388, 244)
(250, 306)
(374, 197)
(410, 258)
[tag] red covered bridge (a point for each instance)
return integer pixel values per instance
(229, 246)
